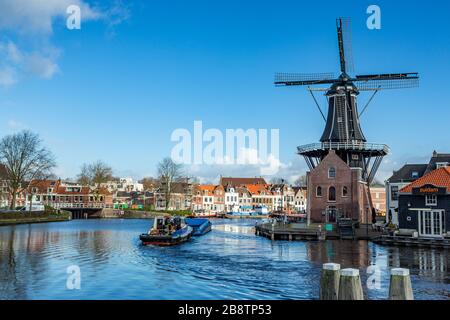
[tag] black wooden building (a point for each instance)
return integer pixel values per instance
(424, 205)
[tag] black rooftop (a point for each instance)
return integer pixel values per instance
(437, 158)
(408, 173)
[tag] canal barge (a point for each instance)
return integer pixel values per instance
(167, 231)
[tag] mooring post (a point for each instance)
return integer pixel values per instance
(350, 287)
(400, 287)
(329, 281)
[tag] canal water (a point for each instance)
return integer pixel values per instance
(228, 263)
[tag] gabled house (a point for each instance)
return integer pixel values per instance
(404, 176)
(203, 198)
(300, 199)
(424, 205)
(245, 199)
(283, 197)
(261, 196)
(336, 190)
(231, 199)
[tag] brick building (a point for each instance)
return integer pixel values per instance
(378, 195)
(336, 190)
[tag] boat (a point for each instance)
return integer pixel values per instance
(249, 212)
(167, 231)
(201, 226)
(204, 214)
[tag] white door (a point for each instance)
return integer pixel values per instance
(431, 223)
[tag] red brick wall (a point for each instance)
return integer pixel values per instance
(351, 205)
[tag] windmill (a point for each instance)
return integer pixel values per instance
(343, 131)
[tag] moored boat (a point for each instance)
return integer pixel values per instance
(201, 226)
(167, 231)
(204, 214)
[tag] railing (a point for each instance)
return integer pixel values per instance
(343, 146)
(62, 205)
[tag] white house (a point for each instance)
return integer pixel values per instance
(300, 197)
(231, 199)
(123, 185)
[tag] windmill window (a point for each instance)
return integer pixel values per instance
(319, 191)
(331, 194)
(344, 191)
(414, 175)
(332, 172)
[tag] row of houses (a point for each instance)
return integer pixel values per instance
(246, 194)
(57, 194)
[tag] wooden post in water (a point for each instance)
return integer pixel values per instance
(329, 282)
(400, 287)
(350, 287)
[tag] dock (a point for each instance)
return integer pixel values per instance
(243, 216)
(288, 232)
(405, 241)
(300, 231)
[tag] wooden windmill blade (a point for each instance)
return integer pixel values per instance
(386, 81)
(303, 79)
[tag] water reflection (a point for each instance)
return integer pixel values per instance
(228, 263)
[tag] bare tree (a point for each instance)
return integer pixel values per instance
(94, 174)
(168, 172)
(277, 180)
(301, 181)
(25, 159)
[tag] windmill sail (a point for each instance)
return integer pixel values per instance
(345, 44)
(303, 79)
(387, 81)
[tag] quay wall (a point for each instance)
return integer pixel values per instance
(127, 214)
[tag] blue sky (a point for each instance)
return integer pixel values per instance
(137, 70)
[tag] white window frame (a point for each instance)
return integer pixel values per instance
(321, 192)
(441, 165)
(433, 202)
(329, 170)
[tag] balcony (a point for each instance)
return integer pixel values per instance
(351, 146)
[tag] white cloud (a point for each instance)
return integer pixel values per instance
(15, 125)
(31, 22)
(42, 66)
(37, 16)
(17, 63)
(254, 166)
(8, 76)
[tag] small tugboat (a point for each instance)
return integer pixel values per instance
(167, 231)
(201, 226)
